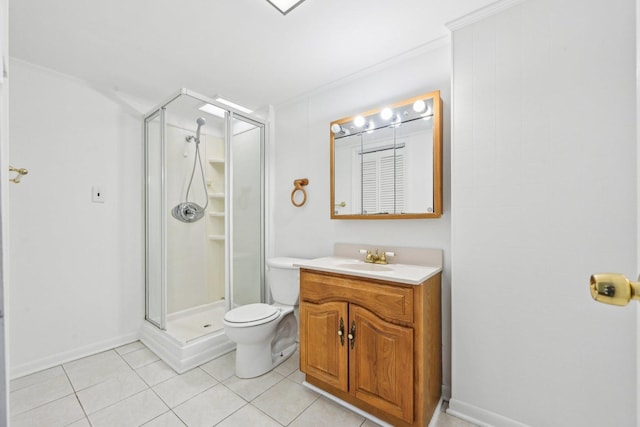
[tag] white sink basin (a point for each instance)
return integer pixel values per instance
(365, 267)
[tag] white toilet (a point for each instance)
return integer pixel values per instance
(266, 334)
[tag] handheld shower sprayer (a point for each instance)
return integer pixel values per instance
(201, 122)
(190, 211)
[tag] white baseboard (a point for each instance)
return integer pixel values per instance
(346, 405)
(376, 420)
(436, 414)
(67, 356)
(480, 417)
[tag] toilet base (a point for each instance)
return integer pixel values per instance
(263, 346)
(255, 360)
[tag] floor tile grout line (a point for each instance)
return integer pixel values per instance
(270, 416)
(162, 414)
(192, 397)
(11, 414)
(234, 412)
(178, 417)
(305, 409)
(75, 393)
(31, 374)
(122, 400)
(130, 351)
(253, 406)
(163, 381)
(301, 412)
(263, 392)
(241, 397)
(102, 382)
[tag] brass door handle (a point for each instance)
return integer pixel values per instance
(352, 334)
(613, 288)
(341, 332)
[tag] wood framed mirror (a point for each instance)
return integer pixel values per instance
(386, 163)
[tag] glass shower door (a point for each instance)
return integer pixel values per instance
(246, 210)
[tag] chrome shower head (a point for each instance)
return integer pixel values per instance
(201, 122)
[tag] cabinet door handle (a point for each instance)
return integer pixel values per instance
(341, 332)
(352, 334)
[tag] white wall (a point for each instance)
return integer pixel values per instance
(544, 194)
(301, 150)
(76, 268)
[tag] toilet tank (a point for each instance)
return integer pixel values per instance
(284, 279)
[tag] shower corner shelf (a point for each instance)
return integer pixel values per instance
(215, 161)
(217, 237)
(216, 195)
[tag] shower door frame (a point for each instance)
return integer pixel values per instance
(158, 112)
(230, 114)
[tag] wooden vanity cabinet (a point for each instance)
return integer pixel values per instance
(374, 344)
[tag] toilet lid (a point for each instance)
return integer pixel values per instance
(251, 313)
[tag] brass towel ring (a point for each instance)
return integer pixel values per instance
(297, 186)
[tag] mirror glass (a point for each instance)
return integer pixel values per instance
(387, 163)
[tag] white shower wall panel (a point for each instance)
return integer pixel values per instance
(188, 284)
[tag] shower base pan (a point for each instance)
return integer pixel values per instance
(183, 345)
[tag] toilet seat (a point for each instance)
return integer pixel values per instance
(251, 315)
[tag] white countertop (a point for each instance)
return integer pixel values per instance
(401, 273)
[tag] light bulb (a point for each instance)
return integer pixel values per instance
(336, 128)
(386, 113)
(358, 121)
(419, 106)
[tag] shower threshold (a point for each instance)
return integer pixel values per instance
(184, 345)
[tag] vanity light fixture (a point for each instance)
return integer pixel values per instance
(285, 6)
(390, 116)
(358, 121)
(419, 106)
(339, 130)
(386, 113)
(371, 126)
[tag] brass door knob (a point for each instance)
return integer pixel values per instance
(614, 289)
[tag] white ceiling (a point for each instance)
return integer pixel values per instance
(243, 49)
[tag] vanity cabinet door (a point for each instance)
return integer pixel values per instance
(381, 363)
(324, 343)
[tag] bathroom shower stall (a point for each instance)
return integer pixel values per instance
(204, 214)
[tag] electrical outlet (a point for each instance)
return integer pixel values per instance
(97, 194)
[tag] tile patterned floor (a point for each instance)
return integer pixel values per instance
(131, 386)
